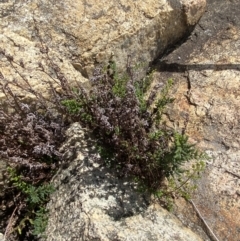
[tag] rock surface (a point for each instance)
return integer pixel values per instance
(76, 36)
(91, 203)
(207, 92)
(1, 237)
(82, 34)
(207, 73)
(73, 36)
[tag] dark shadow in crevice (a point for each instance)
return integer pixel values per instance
(173, 46)
(177, 67)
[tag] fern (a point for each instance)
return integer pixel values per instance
(40, 221)
(36, 197)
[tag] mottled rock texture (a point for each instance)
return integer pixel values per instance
(74, 36)
(86, 33)
(91, 203)
(1, 237)
(206, 69)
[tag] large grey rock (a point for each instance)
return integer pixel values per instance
(76, 36)
(1, 237)
(80, 34)
(206, 70)
(91, 203)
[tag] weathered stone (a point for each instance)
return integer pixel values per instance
(91, 203)
(207, 94)
(28, 57)
(1, 237)
(82, 34)
(76, 36)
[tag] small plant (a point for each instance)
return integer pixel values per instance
(181, 151)
(31, 131)
(180, 184)
(130, 126)
(40, 221)
(124, 115)
(36, 197)
(73, 106)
